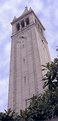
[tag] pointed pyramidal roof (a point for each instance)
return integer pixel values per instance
(25, 11)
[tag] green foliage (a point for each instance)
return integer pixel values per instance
(9, 116)
(51, 77)
(43, 107)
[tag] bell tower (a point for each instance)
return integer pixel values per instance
(29, 50)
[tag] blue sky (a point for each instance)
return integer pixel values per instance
(47, 12)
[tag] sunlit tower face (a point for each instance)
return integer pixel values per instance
(29, 51)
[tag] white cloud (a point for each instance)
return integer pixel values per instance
(38, 5)
(3, 94)
(5, 58)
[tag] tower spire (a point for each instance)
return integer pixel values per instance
(26, 10)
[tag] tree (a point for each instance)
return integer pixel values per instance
(9, 116)
(42, 107)
(51, 77)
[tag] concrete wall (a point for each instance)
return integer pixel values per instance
(28, 53)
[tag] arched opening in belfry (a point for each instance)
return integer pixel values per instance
(18, 26)
(22, 23)
(27, 21)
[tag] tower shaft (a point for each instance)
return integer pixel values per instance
(29, 51)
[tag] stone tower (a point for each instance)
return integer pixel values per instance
(29, 50)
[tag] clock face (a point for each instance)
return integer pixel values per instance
(21, 40)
